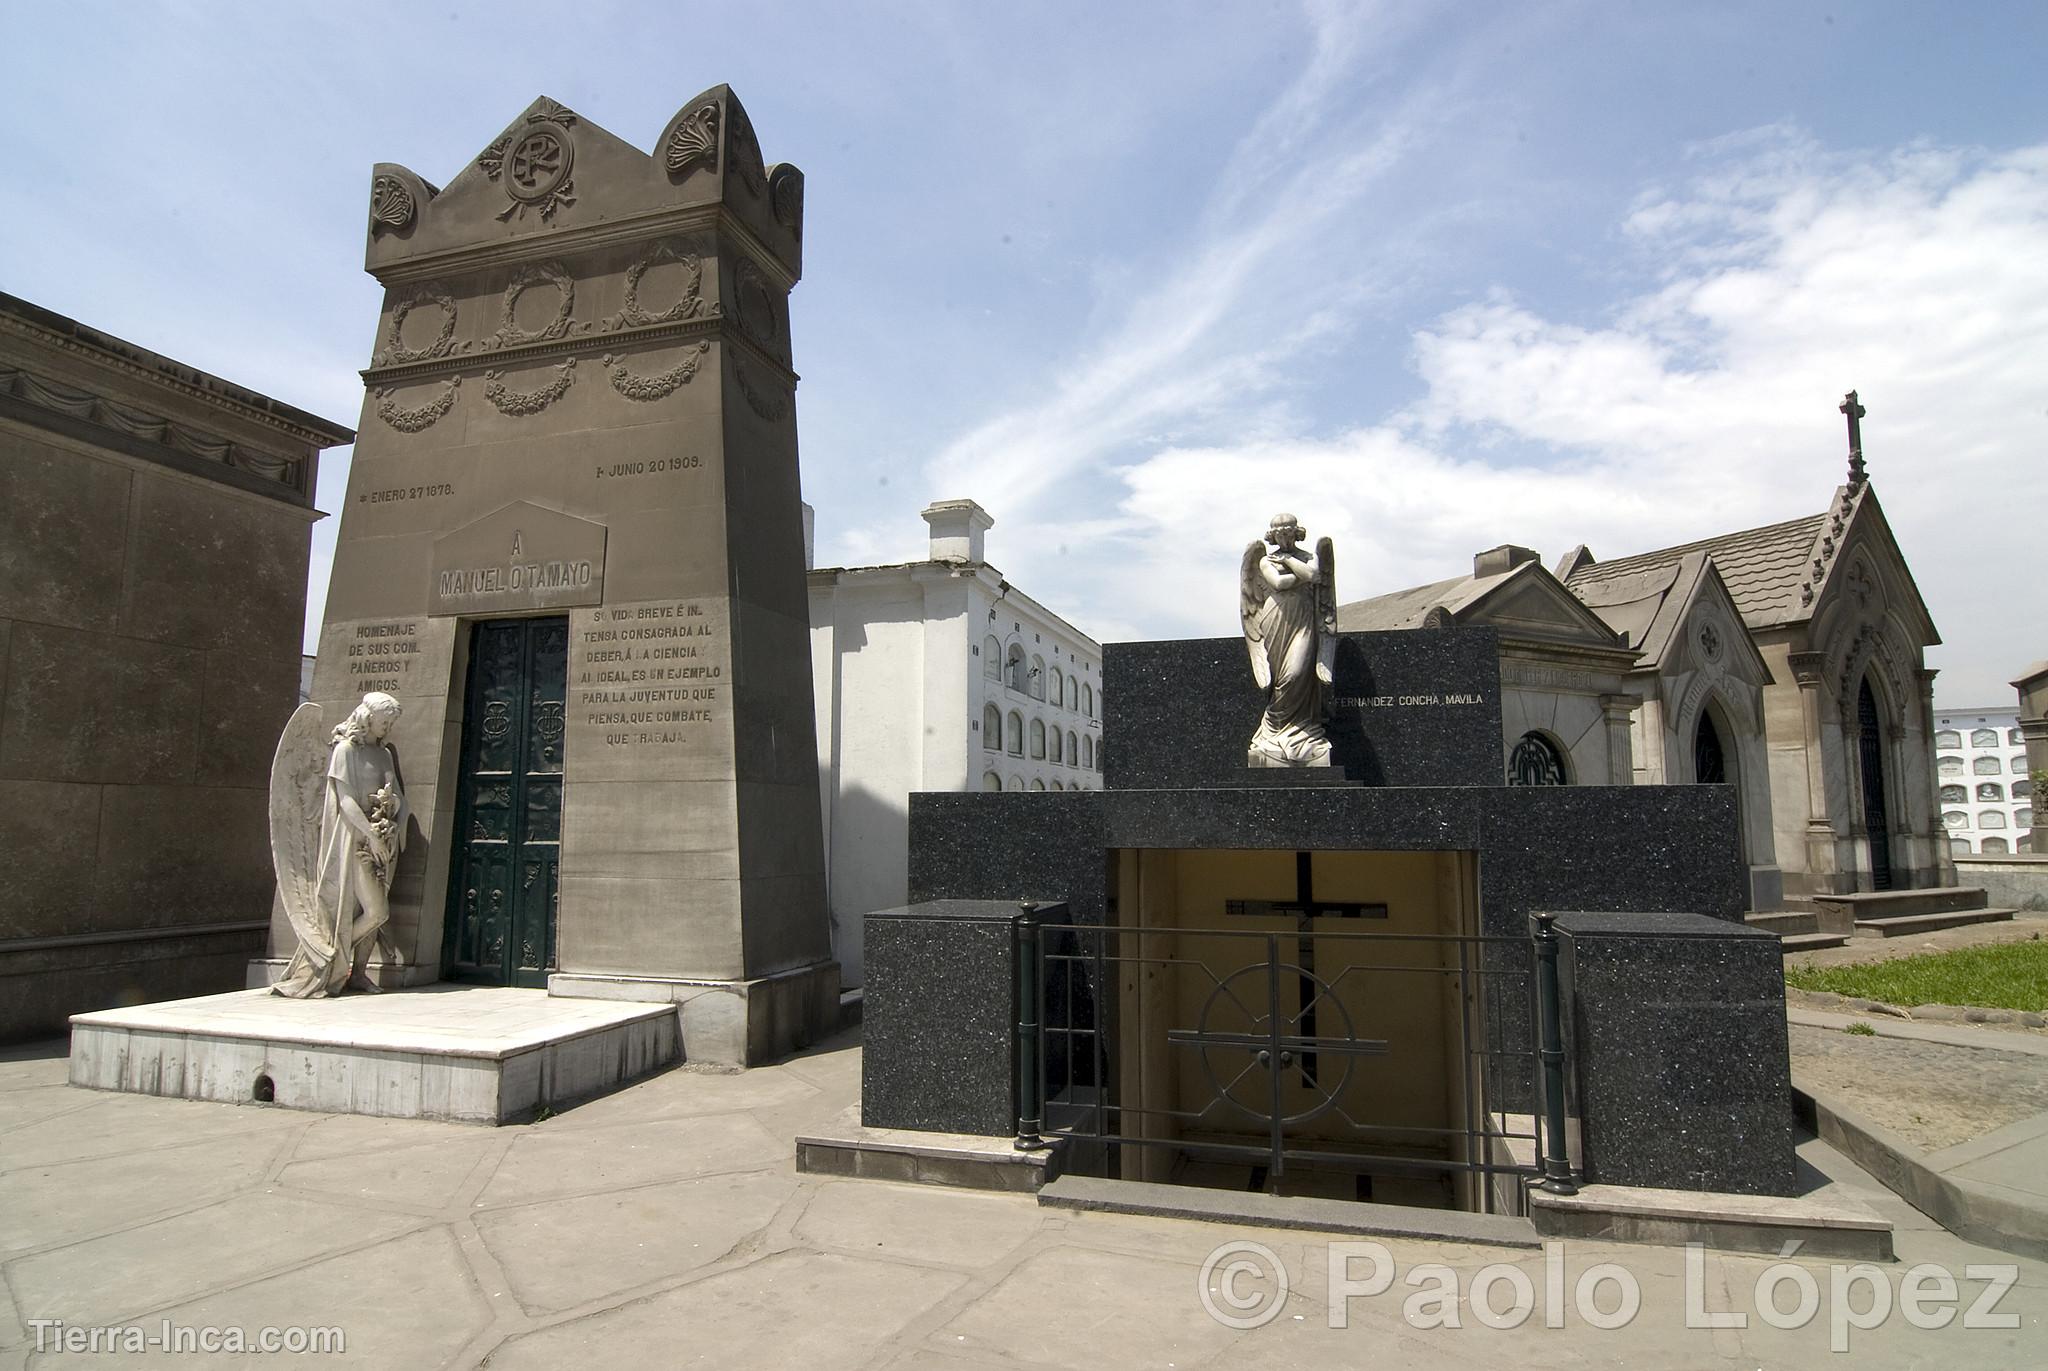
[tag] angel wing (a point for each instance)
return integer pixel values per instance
(1253, 592)
(298, 789)
(1326, 611)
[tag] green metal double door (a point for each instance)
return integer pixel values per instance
(504, 872)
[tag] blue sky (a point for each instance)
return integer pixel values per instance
(1435, 277)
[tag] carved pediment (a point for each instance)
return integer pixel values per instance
(1534, 604)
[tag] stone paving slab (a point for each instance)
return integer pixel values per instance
(669, 1227)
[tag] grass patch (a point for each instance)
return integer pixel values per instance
(1997, 976)
(1861, 1030)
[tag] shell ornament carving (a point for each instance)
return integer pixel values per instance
(391, 204)
(509, 332)
(692, 305)
(786, 200)
(420, 419)
(397, 351)
(658, 385)
(518, 404)
(694, 141)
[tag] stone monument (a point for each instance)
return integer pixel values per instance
(572, 548)
(1288, 603)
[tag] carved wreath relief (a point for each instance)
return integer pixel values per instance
(659, 385)
(509, 332)
(396, 351)
(519, 404)
(420, 419)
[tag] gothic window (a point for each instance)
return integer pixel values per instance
(1016, 734)
(1059, 687)
(1955, 818)
(992, 730)
(1073, 749)
(1017, 671)
(1053, 743)
(1995, 846)
(1990, 793)
(1949, 766)
(991, 781)
(1948, 737)
(1037, 784)
(1985, 766)
(1990, 818)
(1016, 783)
(1088, 700)
(1088, 752)
(1984, 737)
(992, 659)
(1073, 692)
(1536, 761)
(1955, 794)
(1056, 784)
(1038, 740)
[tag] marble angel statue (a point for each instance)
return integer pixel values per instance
(337, 824)
(1289, 609)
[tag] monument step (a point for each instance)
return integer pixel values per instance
(469, 1054)
(1784, 922)
(1883, 904)
(1899, 926)
(1811, 942)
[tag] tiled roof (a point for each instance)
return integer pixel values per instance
(1762, 567)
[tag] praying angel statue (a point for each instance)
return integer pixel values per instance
(1289, 608)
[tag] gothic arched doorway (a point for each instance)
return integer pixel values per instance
(1709, 762)
(1870, 753)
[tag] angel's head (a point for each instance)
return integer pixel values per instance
(371, 720)
(1285, 530)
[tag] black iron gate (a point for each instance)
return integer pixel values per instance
(1275, 1045)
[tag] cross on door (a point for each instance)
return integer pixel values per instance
(1304, 909)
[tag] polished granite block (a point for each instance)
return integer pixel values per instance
(1023, 845)
(939, 1015)
(1677, 1044)
(1406, 708)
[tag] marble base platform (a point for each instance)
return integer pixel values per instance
(471, 1054)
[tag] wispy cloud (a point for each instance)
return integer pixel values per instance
(1774, 279)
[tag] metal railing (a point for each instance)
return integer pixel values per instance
(1278, 1044)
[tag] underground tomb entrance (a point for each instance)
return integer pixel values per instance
(1326, 1024)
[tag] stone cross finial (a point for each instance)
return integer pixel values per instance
(1855, 411)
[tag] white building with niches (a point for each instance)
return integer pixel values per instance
(1985, 793)
(936, 675)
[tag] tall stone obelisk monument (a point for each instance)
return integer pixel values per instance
(572, 547)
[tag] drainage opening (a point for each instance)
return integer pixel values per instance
(265, 1092)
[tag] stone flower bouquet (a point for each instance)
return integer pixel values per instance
(383, 817)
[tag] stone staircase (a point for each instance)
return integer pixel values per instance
(1896, 913)
(1834, 919)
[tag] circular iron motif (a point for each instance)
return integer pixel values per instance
(1240, 1073)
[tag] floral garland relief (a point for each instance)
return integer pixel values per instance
(655, 387)
(520, 403)
(416, 420)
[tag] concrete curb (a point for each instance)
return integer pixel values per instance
(1979, 1213)
(1086, 1193)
